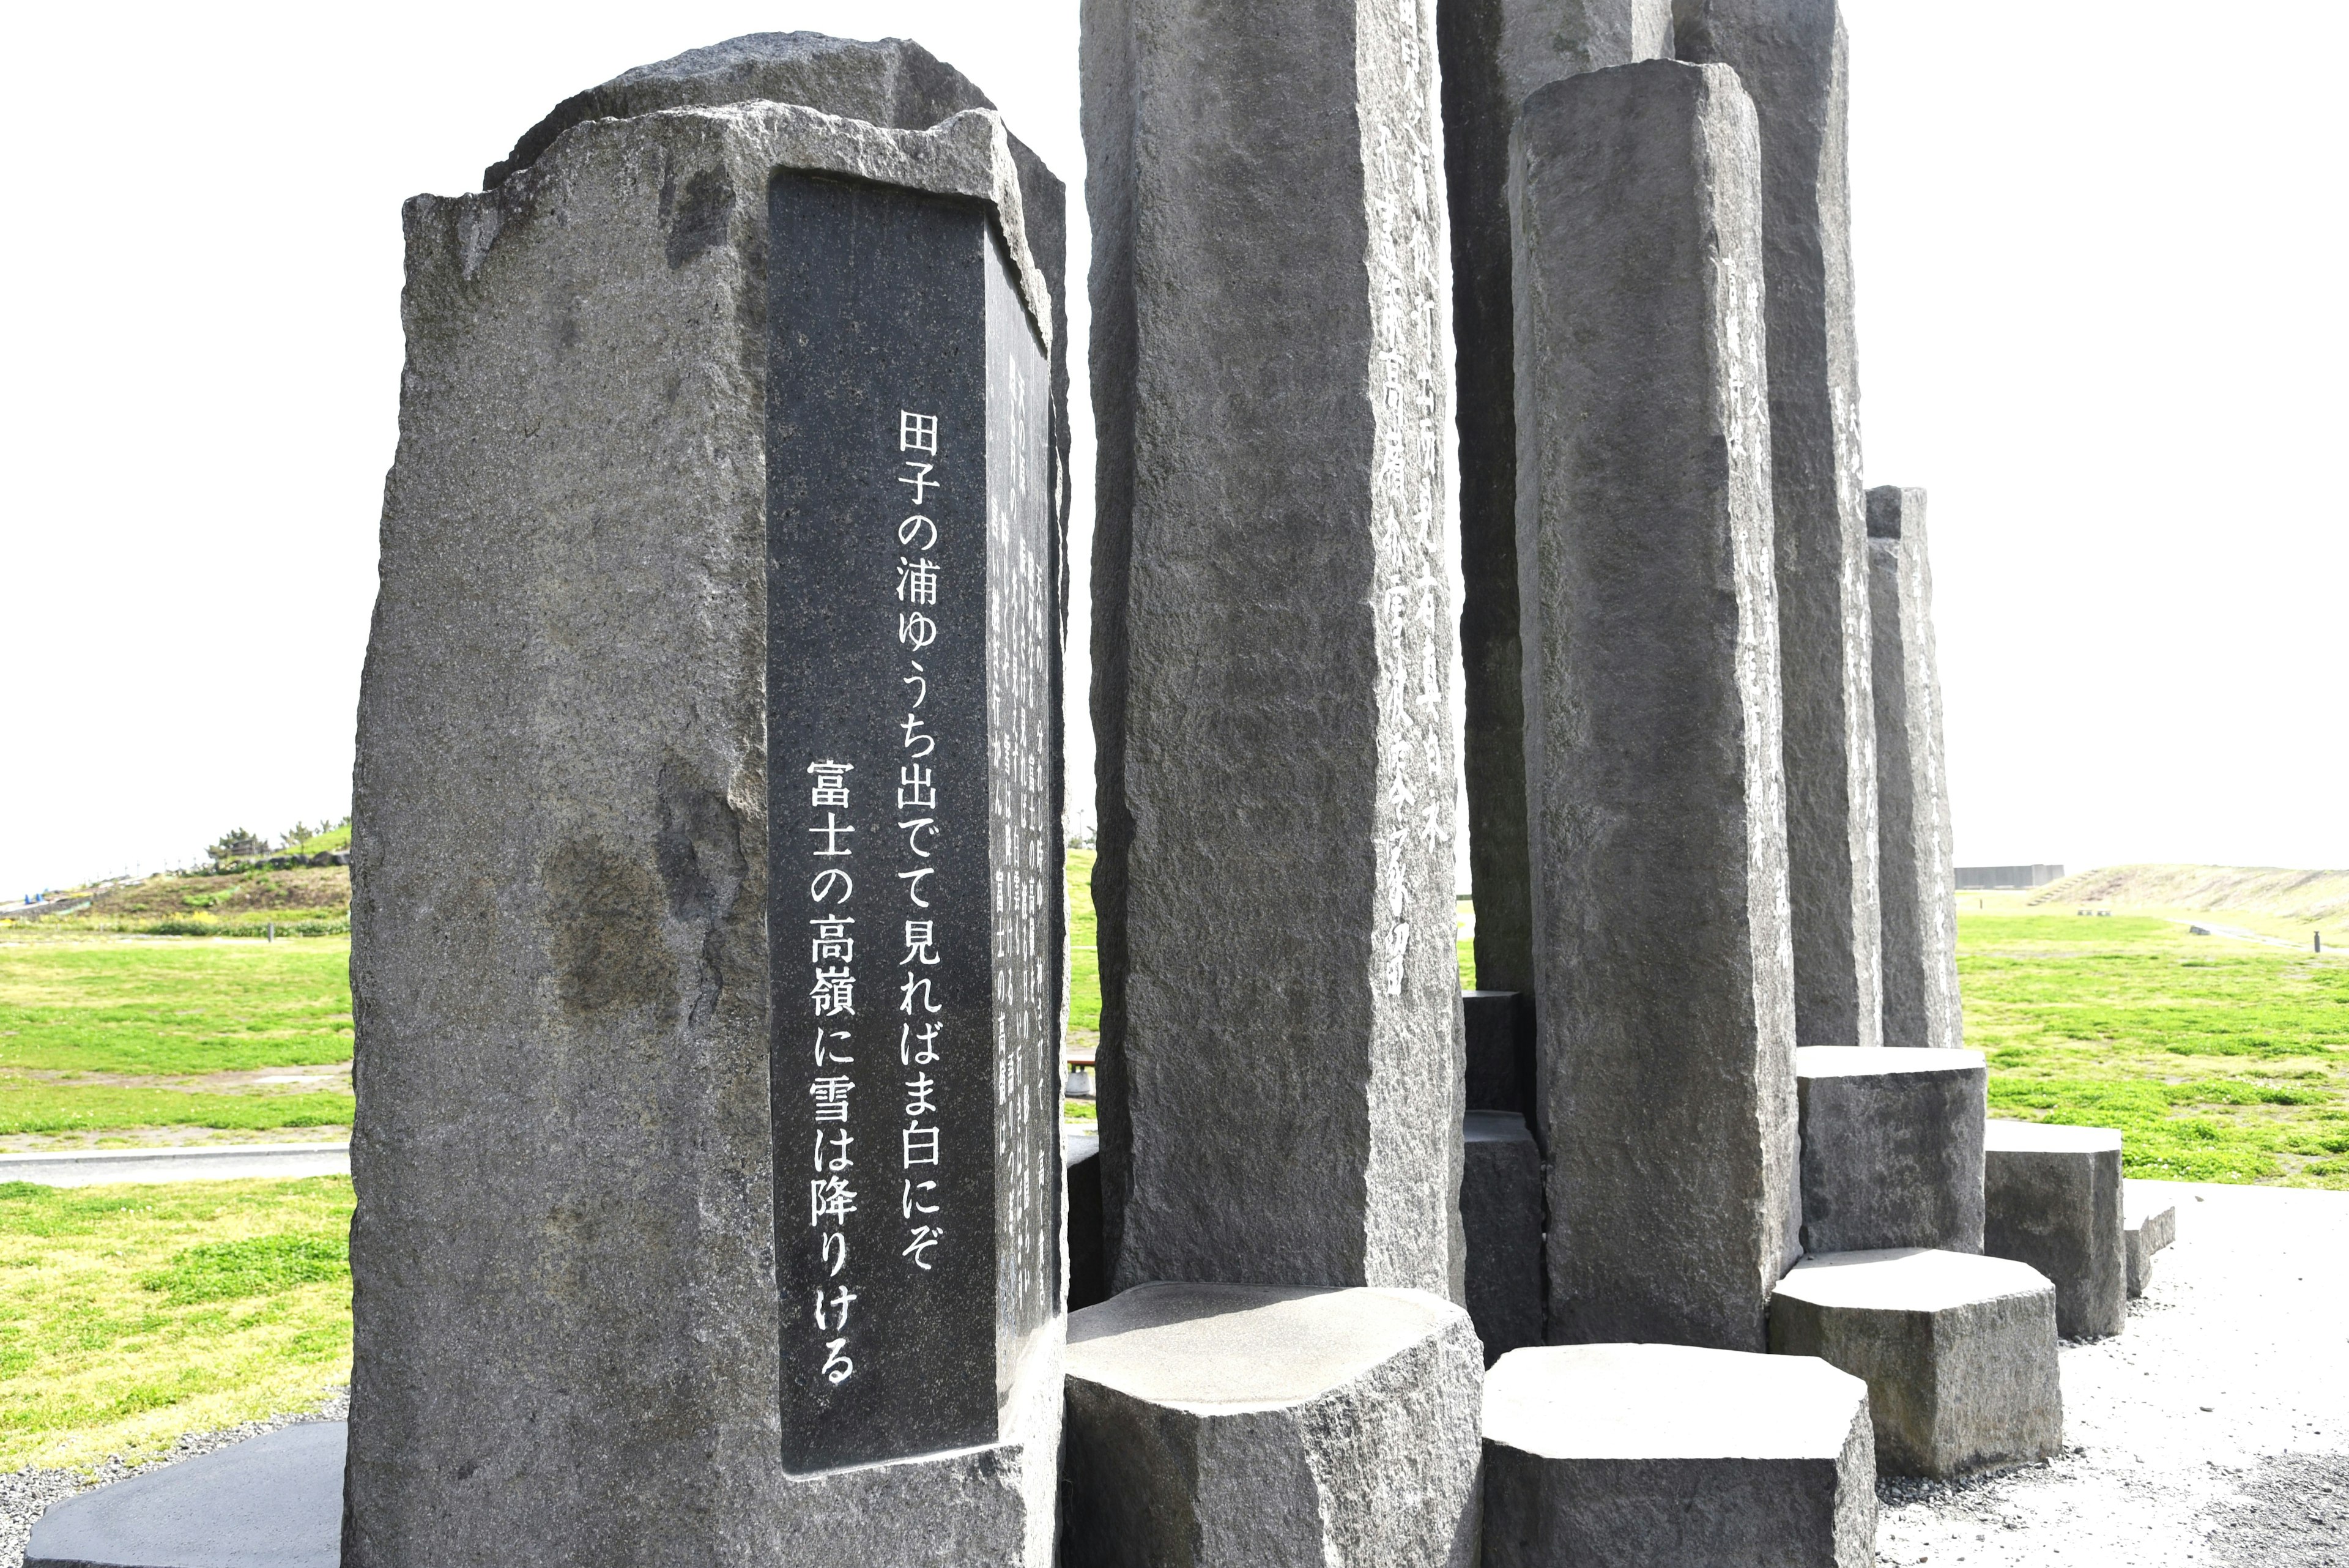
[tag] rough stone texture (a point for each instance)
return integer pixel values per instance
(1236, 1426)
(1892, 1147)
(1790, 56)
(1501, 1216)
(1622, 1456)
(2148, 1223)
(1917, 873)
(1958, 1350)
(1280, 1080)
(564, 1254)
(273, 1501)
(1666, 1022)
(1500, 1034)
(2052, 1199)
(1494, 54)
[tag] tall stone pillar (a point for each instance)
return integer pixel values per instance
(706, 947)
(1790, 56)
(1494, 53)
(1280, 1060)
(1912, 791)
(1652, 760)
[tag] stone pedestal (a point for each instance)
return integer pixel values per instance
(1666, 1020)
(1494, 54)
(2053, 1199)
(1501, 1217)
(705, 953)
(1500, 1034)
(1280, 1078)
(1622, 1456)
(2148, 1223)
(1892, 1147)
(1790, 56)
(1916, 879)
(1958, 1351)
(1236, 1426)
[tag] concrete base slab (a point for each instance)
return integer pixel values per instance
(1892, 1147)
(1233, 1425)
(1501, 1217)
(2148, 1223)
(2052, 1199)
(275, 1502)
(1958, 1351)
(1606, 1456)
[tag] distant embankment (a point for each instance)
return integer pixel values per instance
(2319, 898)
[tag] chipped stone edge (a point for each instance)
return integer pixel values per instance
(967, 154)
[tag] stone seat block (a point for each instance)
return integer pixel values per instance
(2148, 1223)
(1499, 1027)
(1501, 1221)
(1892, 1147)
(2052, 1199)
(1219, 1426)
(1958, 1351)
(1608, 1455)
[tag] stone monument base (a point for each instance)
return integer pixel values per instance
(1892, 1147)
(1501, 1221)
(272, 1502)
(1958, 1350)
(1612, 1456)
(1229, 1426)
(2052, 1199)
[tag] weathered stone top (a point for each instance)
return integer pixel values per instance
(1870, 1061)
(2039, 1138)
(1227, 1349)
(1909, 1279)
(968, 154)
(1669, 1402)
(891, 82)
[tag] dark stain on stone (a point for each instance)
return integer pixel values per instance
(698, 851)
(698, 220)
(608, 952)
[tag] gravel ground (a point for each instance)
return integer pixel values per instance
(25, 1494)
(2214, 1432)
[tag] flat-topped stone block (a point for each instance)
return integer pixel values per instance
(2148, 1223)
(1607, 1454)
(1501, 1217)
(1231, 1426)
(2052, 1199)
(271, 1502)
(1892, 1147)
(1500, 1026)
(1958, 1351)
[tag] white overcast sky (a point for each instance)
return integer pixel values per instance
(2101, 318)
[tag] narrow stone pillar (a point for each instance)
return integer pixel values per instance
(1666, 1029)
(1912, 791)
(1494, 53)
(1280, 1076)
(706, 1016)
(1790, 56)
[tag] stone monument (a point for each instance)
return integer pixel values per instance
(1494, 53)
(1790, 56)
(1912, 791)
(707, 937)
(1652, 760)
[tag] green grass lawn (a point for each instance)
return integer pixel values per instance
(102, 1033)
(129, 1315)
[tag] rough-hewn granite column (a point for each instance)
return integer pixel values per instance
(1790, 56)
(1666, 1031)
(1280, 1077)
(1494, 53)
(574, 1340)
(1912, 792)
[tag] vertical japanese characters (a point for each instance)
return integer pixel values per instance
(918, 765)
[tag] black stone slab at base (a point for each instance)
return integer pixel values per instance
(272, 1502)
(913, 857)
(1501, 1222)
(1088, 1260)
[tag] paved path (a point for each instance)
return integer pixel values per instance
(2214, 1432)
(196, 1162)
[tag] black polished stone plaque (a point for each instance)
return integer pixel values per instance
(913, 851)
